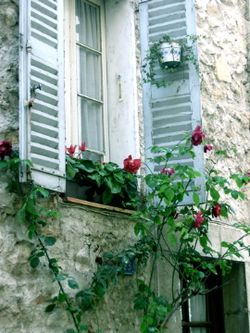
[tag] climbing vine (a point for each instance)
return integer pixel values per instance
(167, 229)
(154, 60)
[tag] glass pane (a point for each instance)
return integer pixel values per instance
(90, 74)
(92, 124)
(199, 330)
(198, 310)
(88, 24)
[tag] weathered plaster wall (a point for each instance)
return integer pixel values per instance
(8, 69)
(223, 50)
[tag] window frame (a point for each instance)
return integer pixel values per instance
(214, 308)
(73, 116)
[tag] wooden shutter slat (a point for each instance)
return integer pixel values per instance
(173, 111)
(43, 82)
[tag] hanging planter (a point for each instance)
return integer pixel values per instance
(170, 54)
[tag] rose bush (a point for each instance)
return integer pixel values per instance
(5, 149)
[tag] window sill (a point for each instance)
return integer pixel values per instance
(98, 205)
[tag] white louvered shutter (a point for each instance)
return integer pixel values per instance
(172, 111)
(42, 135)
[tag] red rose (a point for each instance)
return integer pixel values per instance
(169, 171)
(131, 165)
(207, 148)
(216, 211)
(71, 150)
(82, 147)
(198, 219)
(197, 136)
(5, 149)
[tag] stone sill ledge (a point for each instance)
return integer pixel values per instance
(97, 205)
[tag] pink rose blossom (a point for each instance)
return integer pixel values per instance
(131, 165)
(71, 150)
(5, 149)
(207, 148)
(169, 171)
(216, 211)
(82, 147)
(197, 136)
(198, 219)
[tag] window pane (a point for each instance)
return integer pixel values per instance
(199, 330)
(90, 74)
(198, 309)
(88, 24)
(92, 124)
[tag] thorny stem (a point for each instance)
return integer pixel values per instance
(58, 282)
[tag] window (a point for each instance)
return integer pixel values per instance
(203, 313)
(221, 310)
(100, 78)
(86, 81)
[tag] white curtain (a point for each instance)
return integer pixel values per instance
(88, 32)
(198, 312)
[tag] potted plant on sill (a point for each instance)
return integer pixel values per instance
(101, 182)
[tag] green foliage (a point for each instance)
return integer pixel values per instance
(104, 182)
(153, 60)
(168, 231)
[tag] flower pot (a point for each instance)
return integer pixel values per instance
(170, 54)
(75, 190)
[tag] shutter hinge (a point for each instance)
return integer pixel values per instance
(28, 47)
(21, 41)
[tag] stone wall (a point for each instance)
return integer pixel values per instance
(83, 234)
(223, 51)
(8, 69)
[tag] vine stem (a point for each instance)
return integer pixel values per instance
(58, 282)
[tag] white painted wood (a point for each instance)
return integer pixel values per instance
(122, 104)
(173, 111)
(42, 133)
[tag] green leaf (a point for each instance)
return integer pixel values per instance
(43, 192)
(113, 185)
(171, 237)
(83, 328)
(73, 284)
(31, 208)
(50, 308)
(34, 262)
(214, 194)
(3, 164)
(119, 177)
(71, 330)
(96, 178)
(107, 197)
(49, 240)
(70, 170)
(224, 211)
(196, 199)
(87, 165)
(235, 194)
(21, 214)
(169, 195)
(61, 297)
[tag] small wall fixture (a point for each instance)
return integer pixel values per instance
(170, 54)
